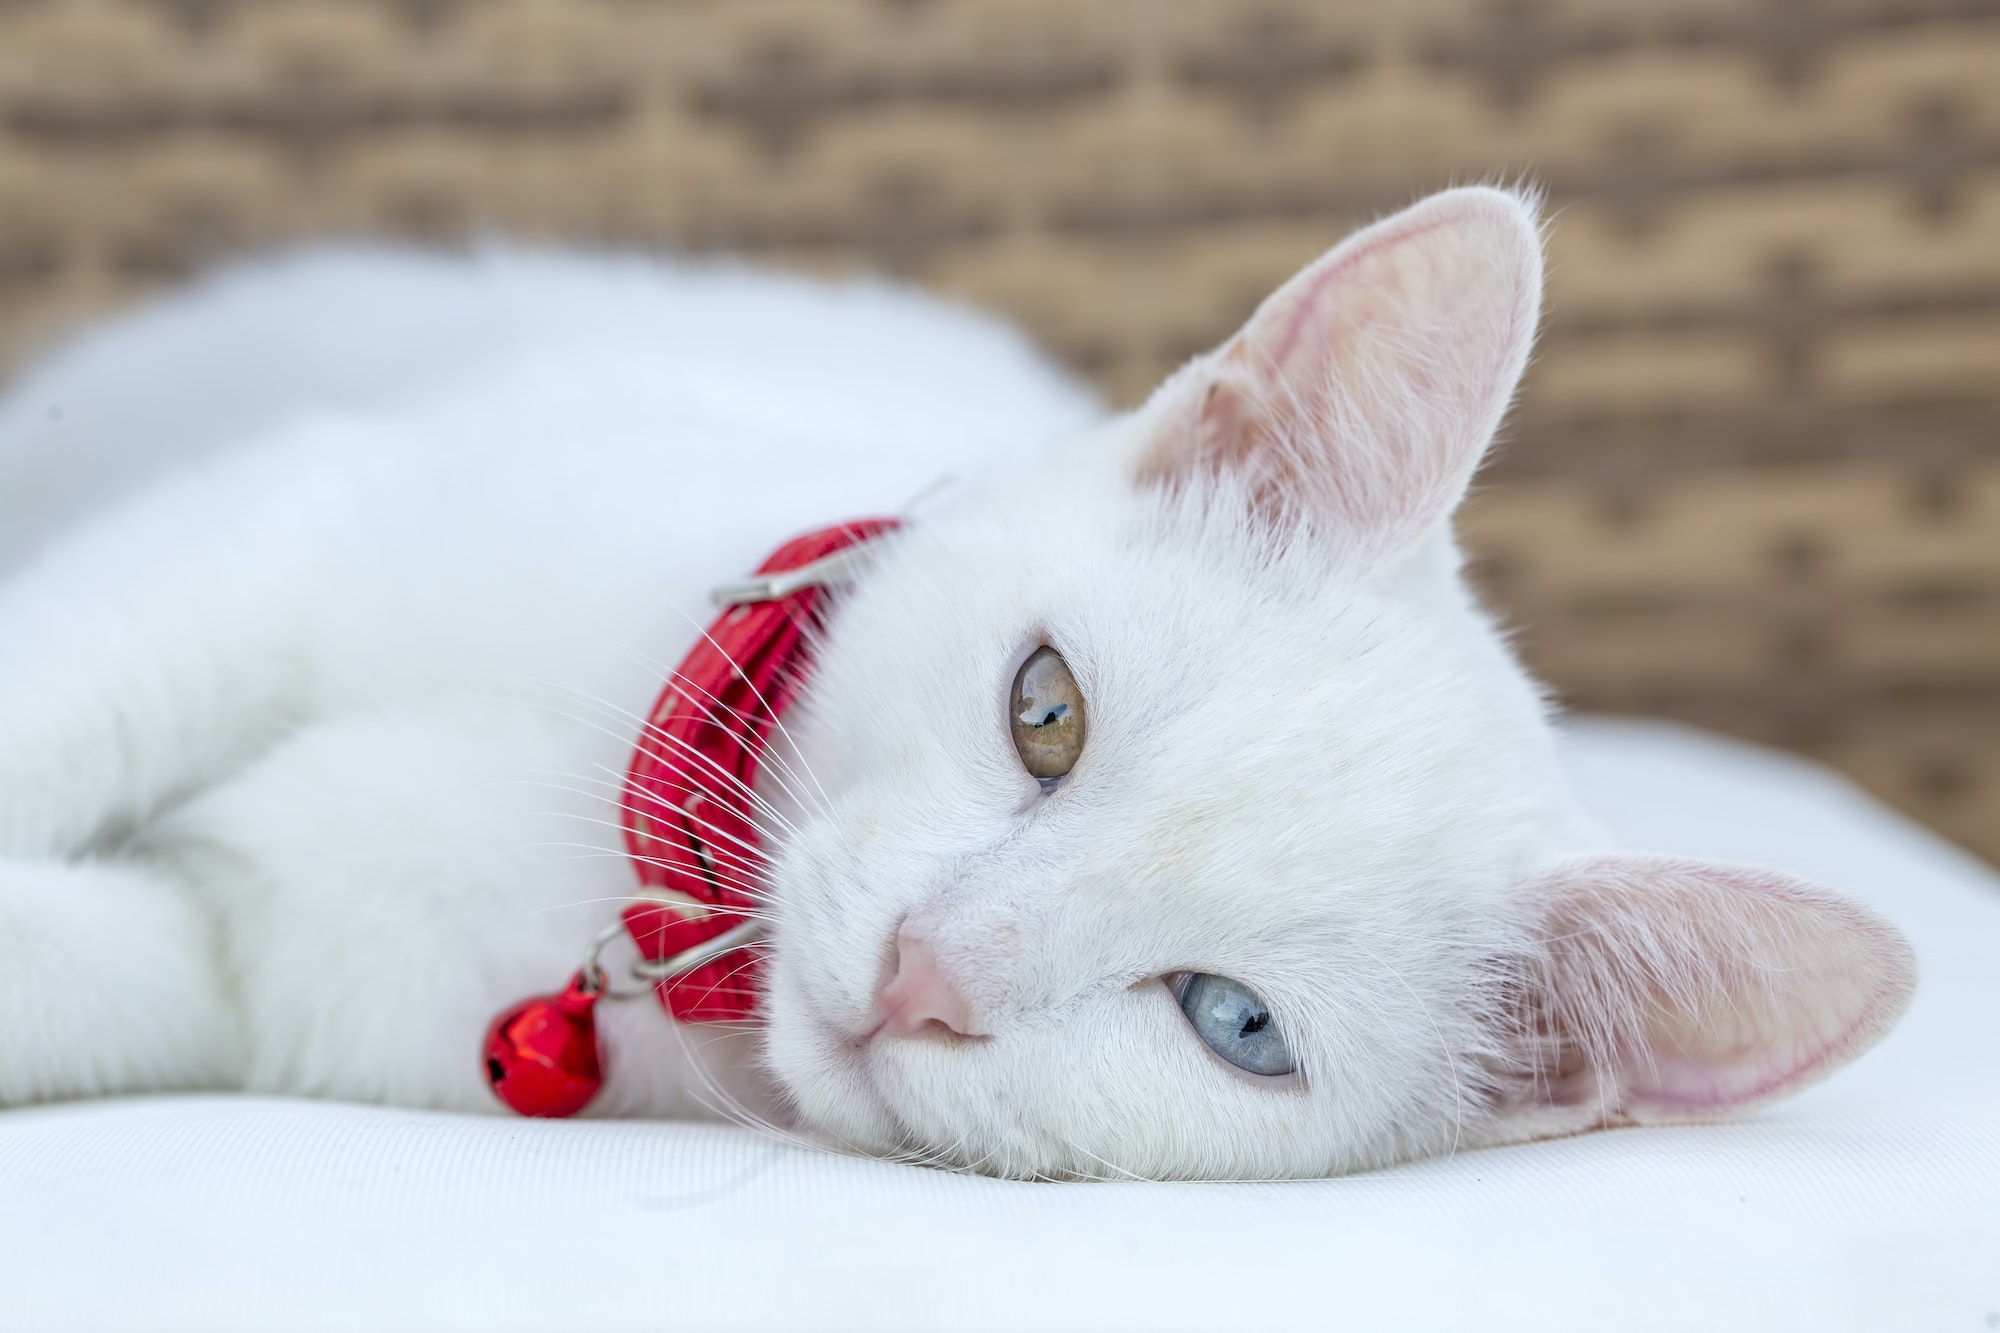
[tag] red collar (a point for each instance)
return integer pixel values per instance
(687, 811)
(687, 805)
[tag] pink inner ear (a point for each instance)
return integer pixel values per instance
(1755, 1040)
(1703, 989)
(1369, 385)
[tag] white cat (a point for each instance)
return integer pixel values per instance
(309, 757)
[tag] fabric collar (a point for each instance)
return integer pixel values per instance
(688, 803)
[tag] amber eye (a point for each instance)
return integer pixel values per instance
(1047, 715)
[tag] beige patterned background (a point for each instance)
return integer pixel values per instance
(1754, 483)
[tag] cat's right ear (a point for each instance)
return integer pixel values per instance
(1361, 395)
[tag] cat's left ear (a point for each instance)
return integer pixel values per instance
(1663, 989)
(1361, 395)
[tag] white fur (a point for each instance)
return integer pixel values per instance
(348, 697)
(308, 758)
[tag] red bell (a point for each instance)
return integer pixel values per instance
(541, 1055)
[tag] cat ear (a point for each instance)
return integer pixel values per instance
(1364, 391)
(1666, 990)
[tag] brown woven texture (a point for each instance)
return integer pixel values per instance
(1755, 479)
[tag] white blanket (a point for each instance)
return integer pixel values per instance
(1870, 1202)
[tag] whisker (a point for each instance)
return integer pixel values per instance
(793, 787)
(752, 912)
(740, 863)
(648, 729)
(674, 675)
(749, 791)
(725, 1104)
(1118, 1172)
(741, 674)
(1450, 1060)
(826, 801)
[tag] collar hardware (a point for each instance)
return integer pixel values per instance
(689, 818)
(831, 571)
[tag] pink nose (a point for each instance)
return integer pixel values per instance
(918, 993)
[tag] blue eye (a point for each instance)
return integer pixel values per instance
(1234, 1023)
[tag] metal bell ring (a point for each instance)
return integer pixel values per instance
(542, 1055)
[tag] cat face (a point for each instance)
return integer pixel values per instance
(1271, 894)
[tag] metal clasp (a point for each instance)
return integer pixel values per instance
(829, 571)
(650, 972)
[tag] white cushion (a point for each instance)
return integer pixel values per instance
(1872, 1201)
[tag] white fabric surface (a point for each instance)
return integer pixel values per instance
(1871, 1202)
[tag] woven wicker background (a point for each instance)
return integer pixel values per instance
(1754, 483)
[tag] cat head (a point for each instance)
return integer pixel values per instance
(1173, 811)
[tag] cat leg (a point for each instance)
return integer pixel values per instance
(108, 984)
(390, 881)
(149, 656)
(137, 664)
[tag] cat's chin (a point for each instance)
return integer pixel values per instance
(830, 1086)
(820, 1071)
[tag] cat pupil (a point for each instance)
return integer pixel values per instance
(1053, 715)
(1254, 1023)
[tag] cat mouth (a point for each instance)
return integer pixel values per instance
(850, 1109)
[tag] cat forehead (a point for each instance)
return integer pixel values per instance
(1069, 553)
(1176, 619)
(1244, 717)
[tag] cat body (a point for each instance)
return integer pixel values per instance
(342, 705)
(309, 756)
